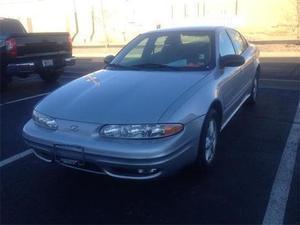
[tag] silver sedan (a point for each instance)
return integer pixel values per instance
(157, 106)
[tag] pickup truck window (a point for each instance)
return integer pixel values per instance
(8, 26)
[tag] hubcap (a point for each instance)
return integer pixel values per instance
(211, 141)
(254, 91)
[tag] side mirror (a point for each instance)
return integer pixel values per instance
(108, 59)
(231, 61)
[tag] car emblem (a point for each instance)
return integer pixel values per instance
(74, 128)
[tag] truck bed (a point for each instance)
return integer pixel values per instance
(41, 44)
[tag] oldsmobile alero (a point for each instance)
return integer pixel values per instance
(157, 106)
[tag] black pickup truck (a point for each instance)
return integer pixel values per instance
(25, 53)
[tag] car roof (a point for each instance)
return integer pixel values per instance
(184, 29)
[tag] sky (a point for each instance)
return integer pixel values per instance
(123, 19)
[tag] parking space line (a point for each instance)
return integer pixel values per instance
(24, 99)
(15, 157)
(280, 190)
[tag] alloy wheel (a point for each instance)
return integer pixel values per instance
(211, 141)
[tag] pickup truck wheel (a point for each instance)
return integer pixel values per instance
(4, 85)
(51, 76)
(208, 140)
(4, 82)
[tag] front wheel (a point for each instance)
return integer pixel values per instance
(52, 76)
(209, 140)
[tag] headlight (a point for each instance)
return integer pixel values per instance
(44, 121)
(141, 131)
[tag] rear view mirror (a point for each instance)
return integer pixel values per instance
(231, 61)
(108, 59)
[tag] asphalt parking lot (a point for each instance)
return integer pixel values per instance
(236, 191)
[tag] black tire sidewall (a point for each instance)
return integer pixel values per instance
(4, 81)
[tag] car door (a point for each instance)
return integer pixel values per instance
(242, 48)
(229, 80)
(250, 54)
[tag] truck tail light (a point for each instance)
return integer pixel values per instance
(11, 47)
(70, 42)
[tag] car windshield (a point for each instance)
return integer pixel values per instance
(167, 51)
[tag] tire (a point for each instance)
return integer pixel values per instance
(254, 91)
(208, 140)
(4, 81)
(4, 85)
(51, 77)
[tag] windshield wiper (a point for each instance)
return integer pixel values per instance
(143, 65)
(155, 65)
(118, 66)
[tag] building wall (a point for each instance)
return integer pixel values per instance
(118, 21)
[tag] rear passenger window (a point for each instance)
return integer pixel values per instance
(196, 47)
(225, 44)
(239, 42)
(159, 44)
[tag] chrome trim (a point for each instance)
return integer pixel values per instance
(235, 111)
(22, 64)
(30, 64)
(70, 59)
(22, 67)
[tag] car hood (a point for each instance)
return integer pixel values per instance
(119, 97)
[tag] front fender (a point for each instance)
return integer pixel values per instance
(192, 104)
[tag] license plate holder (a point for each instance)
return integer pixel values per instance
(69, 155)
(47, 62)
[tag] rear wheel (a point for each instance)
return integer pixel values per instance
(253, 97)
(208, 140)
(51, 76)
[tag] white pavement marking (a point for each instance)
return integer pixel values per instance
(23, 99)
(15, 157)
(280, 190)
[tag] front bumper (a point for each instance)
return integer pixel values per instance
(127, 159)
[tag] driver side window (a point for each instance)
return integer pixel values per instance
(225, 44)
